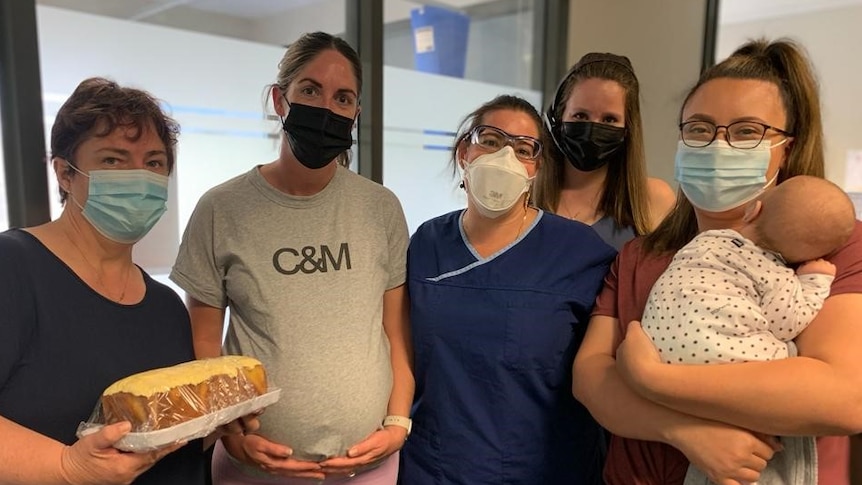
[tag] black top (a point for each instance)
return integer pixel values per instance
(62, 344)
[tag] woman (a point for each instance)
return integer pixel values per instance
(499, 298)
(310, 258)
(721, 418)
(595, 123)
(78, 314)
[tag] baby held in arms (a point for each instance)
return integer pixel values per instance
(729, 296)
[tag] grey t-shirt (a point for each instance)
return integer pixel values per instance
(304, 278)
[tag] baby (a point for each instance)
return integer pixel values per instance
(728, 295)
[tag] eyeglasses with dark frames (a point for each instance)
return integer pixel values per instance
(743, 134)
(491, 139)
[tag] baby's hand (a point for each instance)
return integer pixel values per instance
(816, 266)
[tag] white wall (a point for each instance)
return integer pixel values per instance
(202, 21)
(832, 38)
(324, 15)
(664, 45)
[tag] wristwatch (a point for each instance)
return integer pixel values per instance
(402, 421)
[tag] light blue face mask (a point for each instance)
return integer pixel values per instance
(719, 177)
(123, 205)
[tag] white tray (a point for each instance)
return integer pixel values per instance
(192, 429)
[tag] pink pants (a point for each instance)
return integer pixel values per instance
(226, 472)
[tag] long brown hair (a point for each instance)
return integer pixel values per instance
(624, 196)
(784, 63)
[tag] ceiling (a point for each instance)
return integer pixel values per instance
(274, 22)
(250, 11)
(142, 9)
(244, 9)
(737, 11)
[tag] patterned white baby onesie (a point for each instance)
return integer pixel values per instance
(723, 299)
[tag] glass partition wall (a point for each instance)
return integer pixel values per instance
(440, 63)
(211, 62)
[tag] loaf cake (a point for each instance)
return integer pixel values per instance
(161, 398)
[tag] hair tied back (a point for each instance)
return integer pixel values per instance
(594, 57)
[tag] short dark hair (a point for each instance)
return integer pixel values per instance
(97, 107)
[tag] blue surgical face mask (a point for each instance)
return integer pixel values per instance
(123, 205)
(720, 177)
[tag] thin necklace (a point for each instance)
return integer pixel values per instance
(523, 220)
(520, 226)
(569, 214)
(99, 274)
(566, 211)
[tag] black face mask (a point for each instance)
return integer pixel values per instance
(316, 135)
(589, 146)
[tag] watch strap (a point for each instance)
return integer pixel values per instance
(402, 421)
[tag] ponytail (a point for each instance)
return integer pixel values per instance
(784, 63)
(799, 91)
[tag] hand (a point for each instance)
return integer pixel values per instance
(816, 266)
(243, 425)
(240, 426)
(726, 454)
(377, 446)
(269, 456)
(638, 359)
(93, 460)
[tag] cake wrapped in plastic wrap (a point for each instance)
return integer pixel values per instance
(182, 402)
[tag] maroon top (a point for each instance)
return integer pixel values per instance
(624, 296)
